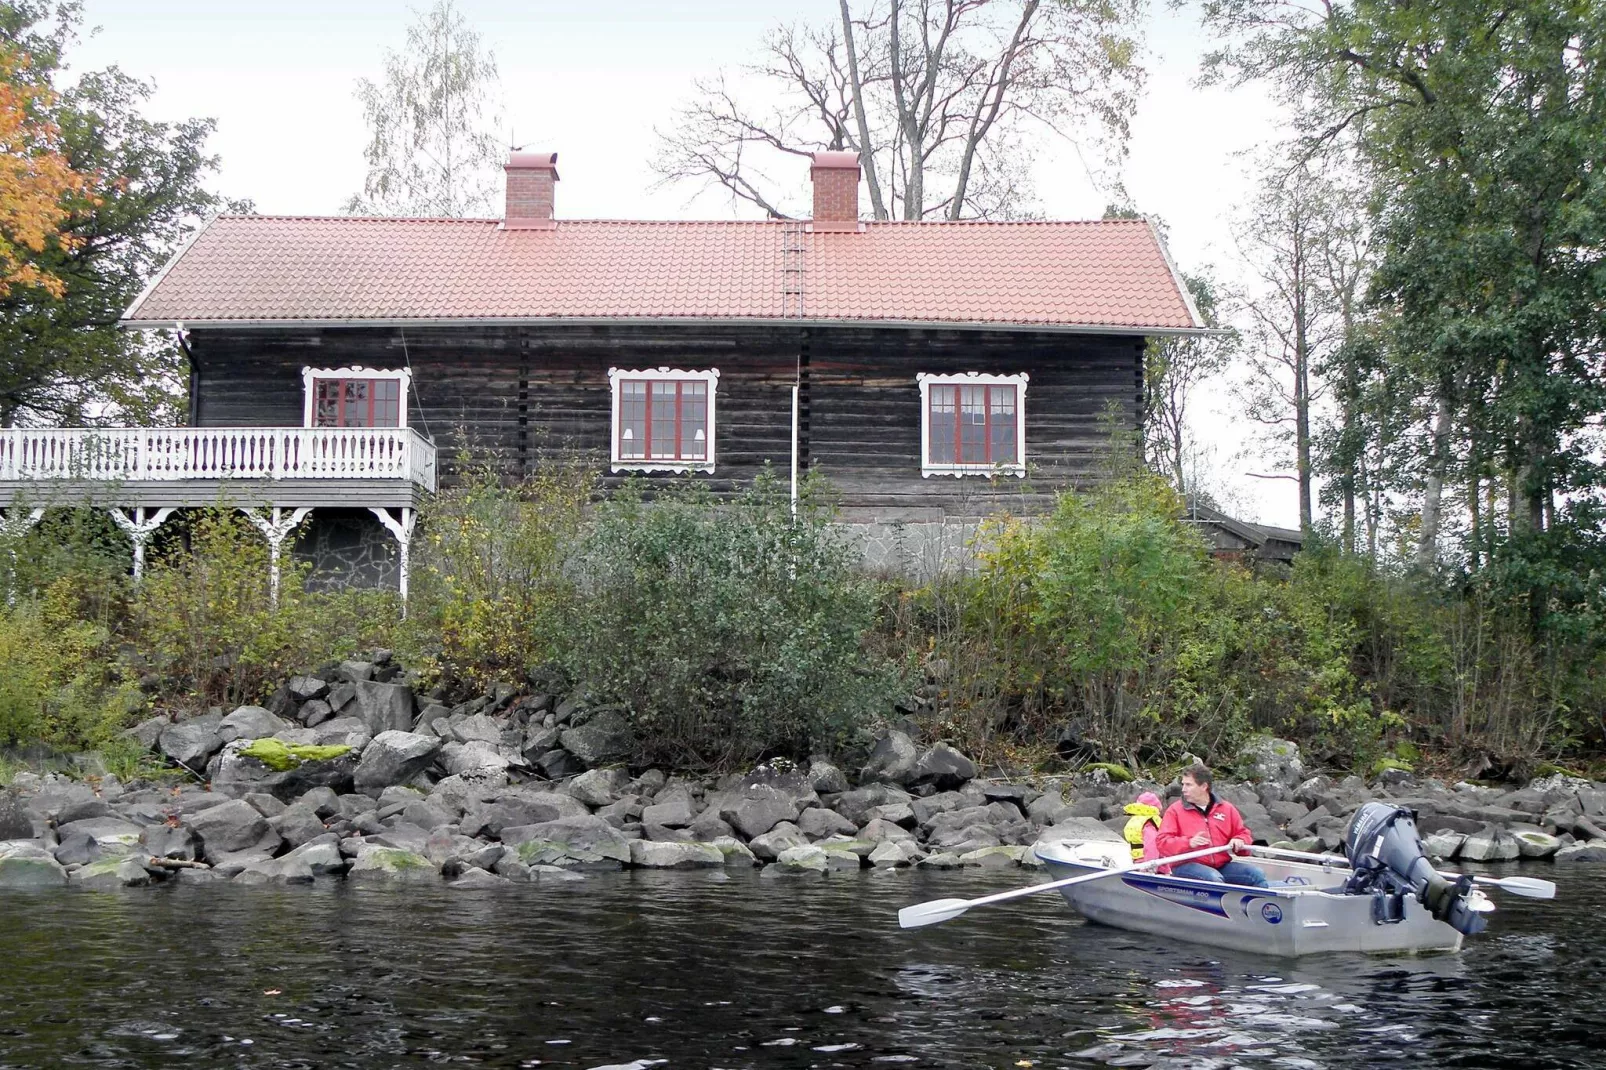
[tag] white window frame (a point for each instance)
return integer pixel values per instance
(616, 376)
(309, 376)
(929, 380)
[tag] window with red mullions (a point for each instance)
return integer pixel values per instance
(356, 403)
(663, 420)
(972, 424)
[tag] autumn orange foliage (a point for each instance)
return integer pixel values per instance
(35, 180)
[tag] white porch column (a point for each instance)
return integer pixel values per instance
(403, 532)
(275, 527)
(14, 524)
(139, 528)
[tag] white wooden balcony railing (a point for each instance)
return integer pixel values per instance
(166, 454)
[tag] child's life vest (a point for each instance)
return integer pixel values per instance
(1142, 814)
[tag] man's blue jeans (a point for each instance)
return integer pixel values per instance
(1234, 872)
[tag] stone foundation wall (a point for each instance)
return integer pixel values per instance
(349, 548)
(917, 544)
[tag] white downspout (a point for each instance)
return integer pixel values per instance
(795, 387)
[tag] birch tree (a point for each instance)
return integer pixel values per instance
(1173, 371)
(940, 98)
(433, 147)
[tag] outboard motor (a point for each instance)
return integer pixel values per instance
(1390, 862)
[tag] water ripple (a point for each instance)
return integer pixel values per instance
(637, 970)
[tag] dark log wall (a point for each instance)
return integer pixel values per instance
(518, 396)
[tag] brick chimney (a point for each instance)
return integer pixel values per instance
(836, 190)
(530, 180)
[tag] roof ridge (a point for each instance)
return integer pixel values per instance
(377, 219)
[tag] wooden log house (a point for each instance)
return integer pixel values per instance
(931, 370)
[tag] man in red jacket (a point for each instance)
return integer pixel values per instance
(1199, 819)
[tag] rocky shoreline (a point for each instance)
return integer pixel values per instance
(348, 775)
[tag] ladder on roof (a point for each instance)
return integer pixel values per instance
(792, 238)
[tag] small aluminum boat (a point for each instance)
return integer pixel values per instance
(1305, 910)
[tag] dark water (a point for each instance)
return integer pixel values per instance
(750, 972)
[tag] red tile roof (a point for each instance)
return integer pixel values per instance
(271, 269)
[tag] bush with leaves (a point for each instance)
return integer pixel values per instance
(726, 631)
(60, 685)
(490, 590)
(205, 617)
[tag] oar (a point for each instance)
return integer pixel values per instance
(1531, 887)
(939, 910)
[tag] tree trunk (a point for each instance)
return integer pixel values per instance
(878, 207)
(1302, 390)
(1427, 547)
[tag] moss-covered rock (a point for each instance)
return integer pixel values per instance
(27, 865)
(1120, 774)
(380, 864)
(599, 856)
(282, 757)
(110, 874)
(284, 770)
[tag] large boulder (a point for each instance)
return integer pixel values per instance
(605, 737)
(758, 809)
(598, 787)
(191, 743)
(1076, 829)
(109, 874)
(109, 835)
(783, 836)
(803, 859)
(250, 722)
(516, 808)
(893, 758)
(1492, 844)
(943, 767)
(301, 866)
(298, 825)
(576, 842)
(230, 827)
(382, 865)
(476, 726)
(474, 759)
(856, 805)
(735, 851)
(648, 854)
(14, 821)
(817, 823)
(171, 841)
(24, 864)
(342, 731)
(393, 758)
(826, 778)
(383, 707)
(1443, 845)
(1047, 808)
(1272, 760)
(672, 809)
(1582, 851)
(1534, 842)
(284, 770)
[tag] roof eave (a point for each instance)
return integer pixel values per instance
(1134, 330)
(1178, 281)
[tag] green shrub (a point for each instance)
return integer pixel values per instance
(489, 588)
(727, 631)
(205, 618)
(59, 685)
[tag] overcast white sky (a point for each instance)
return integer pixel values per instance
(591, 81)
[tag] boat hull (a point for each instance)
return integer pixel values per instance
(1304, 917)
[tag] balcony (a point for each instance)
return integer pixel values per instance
(293, 467)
